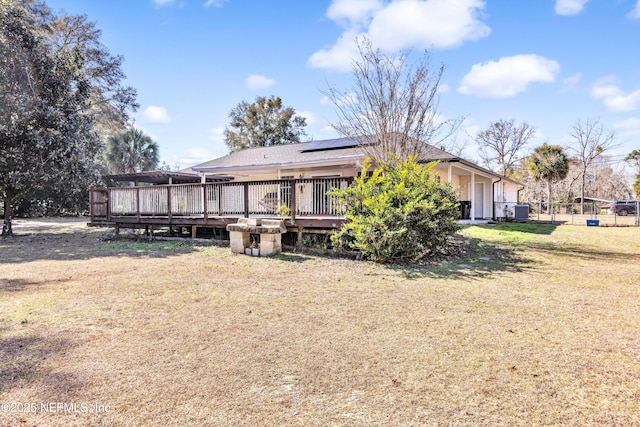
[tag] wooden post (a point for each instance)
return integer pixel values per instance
(91, 209)
(292, 200)
(205, 203)
(169, 209)
(138, 202)
(108, 205)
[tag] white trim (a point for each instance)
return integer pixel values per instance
(472, 170)
(472, 195)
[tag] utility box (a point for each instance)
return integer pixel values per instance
(521, 212)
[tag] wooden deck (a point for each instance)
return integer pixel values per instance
(303, 203)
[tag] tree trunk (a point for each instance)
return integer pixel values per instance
(6, 226)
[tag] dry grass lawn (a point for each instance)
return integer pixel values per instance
(534, 325)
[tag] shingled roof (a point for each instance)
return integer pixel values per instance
(339, 149)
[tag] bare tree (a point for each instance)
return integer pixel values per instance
(590, 141)
(392, 110)
(501, 144)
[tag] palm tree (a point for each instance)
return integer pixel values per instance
(548, 163)
(131, 151)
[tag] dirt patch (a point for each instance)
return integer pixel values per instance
(49, 225)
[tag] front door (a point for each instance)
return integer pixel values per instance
(478, 200)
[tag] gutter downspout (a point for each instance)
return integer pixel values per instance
(493, 196)
(518, 194)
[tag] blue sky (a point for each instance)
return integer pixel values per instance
(548, 63)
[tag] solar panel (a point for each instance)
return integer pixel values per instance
(329, 144)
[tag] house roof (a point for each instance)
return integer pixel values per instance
(276, 156)
(317, 152)
(338, 149)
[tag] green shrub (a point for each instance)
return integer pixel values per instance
(400, 212)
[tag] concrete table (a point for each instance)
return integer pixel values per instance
(270, 231)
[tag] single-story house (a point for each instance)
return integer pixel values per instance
(289, 182)
(484, 193)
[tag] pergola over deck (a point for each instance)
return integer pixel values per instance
(161, 199)
(158, 177)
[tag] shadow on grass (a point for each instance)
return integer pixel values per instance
(84, 245)
(24, 363)
(293, 257)
(584, 252)
(544, 228)
(472, 258)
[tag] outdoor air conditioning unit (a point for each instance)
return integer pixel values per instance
(521, 212)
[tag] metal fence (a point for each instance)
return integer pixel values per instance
(570, 213)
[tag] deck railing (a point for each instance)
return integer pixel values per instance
(297, 197)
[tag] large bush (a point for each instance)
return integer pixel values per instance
(397, 212)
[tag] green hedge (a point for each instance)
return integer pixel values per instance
(398, 212)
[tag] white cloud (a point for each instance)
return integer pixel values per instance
(340, 56)
(613, 97)
(508, 76)
(572, 81)
(155, 114)
(216, 3)
(216, 134)
(193, 156)
(605, 87)
(570, 7)
(630, 126)
(635, 13)
(400, 24)
(624, 102)
(255, 81)
(310, 116)
(443, 88)
(426, 24)
(353, 12)
(163, 2)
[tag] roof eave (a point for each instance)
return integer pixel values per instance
(475, 166)
(329, 162)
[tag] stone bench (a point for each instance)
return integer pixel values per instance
(270, 231)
